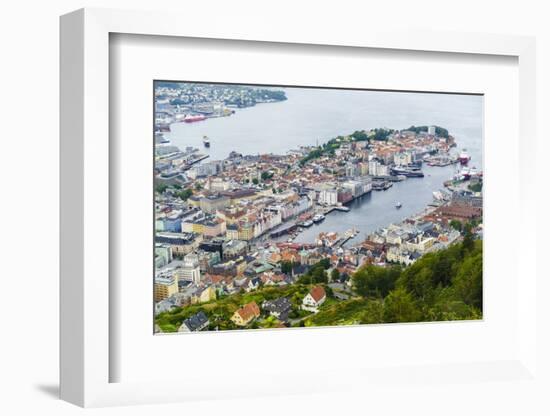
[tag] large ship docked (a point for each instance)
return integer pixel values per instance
(464, 157)
(409, 172)
(193, 118)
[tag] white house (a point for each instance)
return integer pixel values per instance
(315, 298)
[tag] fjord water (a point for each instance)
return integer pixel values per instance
(312, 116)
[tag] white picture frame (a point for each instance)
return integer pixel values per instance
(86, 355)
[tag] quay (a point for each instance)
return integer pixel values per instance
(194, 161)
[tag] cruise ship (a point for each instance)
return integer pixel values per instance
(193, 118)
(409, 172)
(464, 157)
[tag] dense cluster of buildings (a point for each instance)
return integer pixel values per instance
(190, 102)
(215, 221)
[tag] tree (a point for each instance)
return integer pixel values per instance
(255, 181)
(375, 281)
(457, 225)
(475, 187)
(468, 281)
(266, 175)
(399, 306)
(468, 241)
(360, 135)
(286, 266)
(161, 187)
(335, 275)
(374, 313)
(185, 194)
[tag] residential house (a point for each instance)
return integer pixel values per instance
(314, 299)
(246, 314)
(195, 323)
(204, 295)
(279, 308)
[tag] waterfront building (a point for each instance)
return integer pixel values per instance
(351, 170)
(373, 167)
(403, 158)
(358, 187)
(328, 196)
(363, 168)
(205, 169)
(344, 196)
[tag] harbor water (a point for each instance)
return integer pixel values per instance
(313, 116)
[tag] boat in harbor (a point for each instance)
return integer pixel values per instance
(307, 223)
(464, 157)
(318, 218)
(206, 141)
(409, 172)
(398, 205)
(342, 208)
(189, 118)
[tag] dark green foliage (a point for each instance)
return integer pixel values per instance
(317, 273)
(457, 225)
(381, 134)
(286, 267)
(360, 136)
(475, 187)
(439, 131)
(444, 285)
(161, 187)
(374, 281)
(373, 313)
(440, 286)
(185, 194)
(400, 306)
(266, 175)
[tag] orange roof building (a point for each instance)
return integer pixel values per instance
(246, 314)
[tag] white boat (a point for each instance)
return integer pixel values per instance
(318, 218)
(398, 205)
(342, 208)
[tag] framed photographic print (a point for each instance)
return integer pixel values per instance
(293, 214)
(291, 207)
